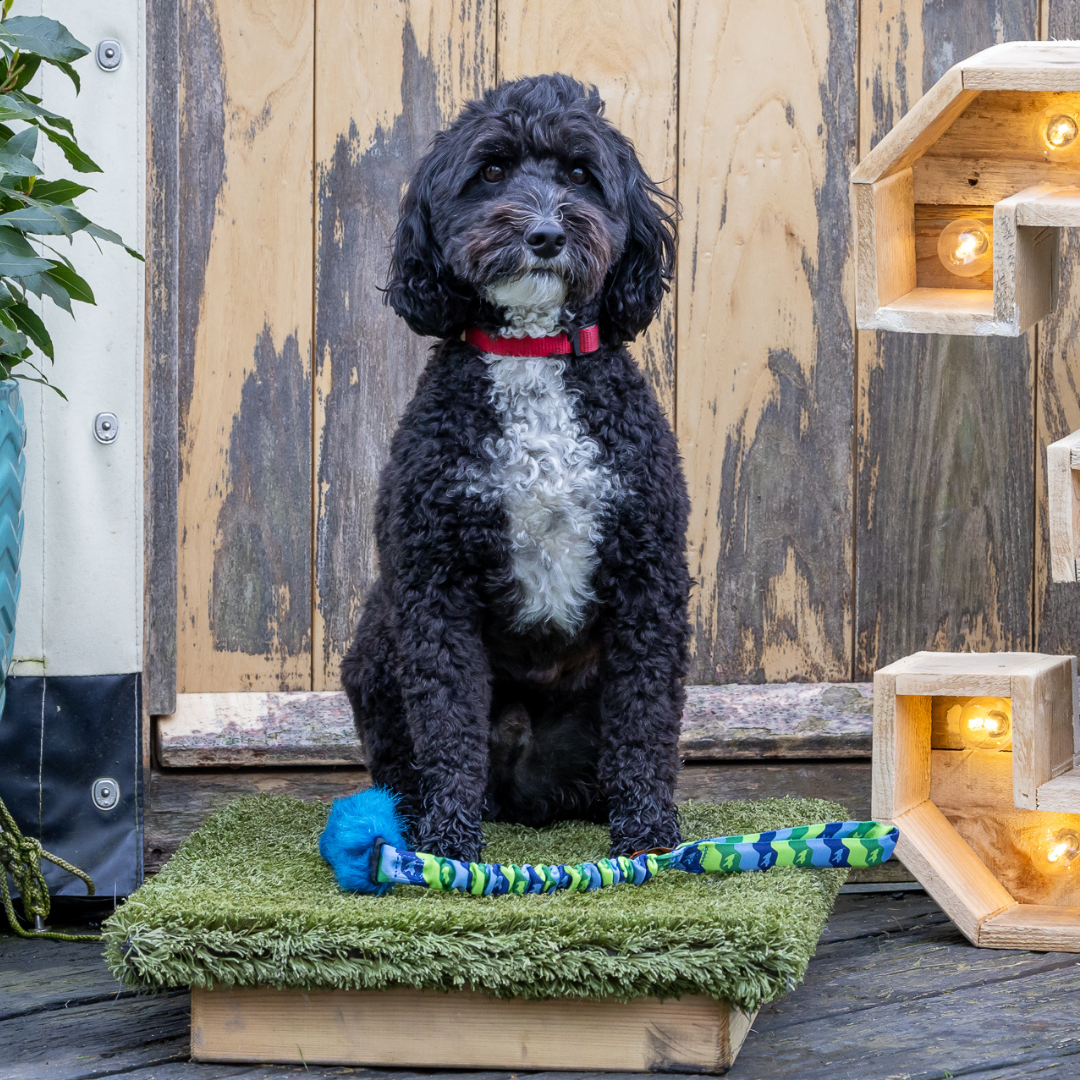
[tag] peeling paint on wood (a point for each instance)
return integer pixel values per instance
(161, 420)
(769, 125)
(945, 445)
(261, 598)
(720, 723)
(202, 171)
(244, 562)
(367, 360)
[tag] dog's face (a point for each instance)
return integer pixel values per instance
(531, 197)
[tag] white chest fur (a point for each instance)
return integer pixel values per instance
(548, 476)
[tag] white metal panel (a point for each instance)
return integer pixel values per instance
(80, 612)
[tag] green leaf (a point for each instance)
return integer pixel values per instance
(17, 164)
(15, 242)
(24, 142)
(44, 285)
(58, 191)
(66, 68)
(33, 106)
(43, 381)
(12, 340)
(17, 258)
(11, 108)
(113, 238)
(43, 37)
(45, 219)
(79, 161)
(29, 322)
(7, 298)
(76, 287)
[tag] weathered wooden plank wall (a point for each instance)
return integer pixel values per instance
(387, 78)
(244, 564)
(944, 546)
(765, 330)
(856, 496)
(1057, 607)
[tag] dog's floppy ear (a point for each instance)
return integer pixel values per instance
(421, 287)
(637, 282)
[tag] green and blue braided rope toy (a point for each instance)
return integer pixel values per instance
(364, 844)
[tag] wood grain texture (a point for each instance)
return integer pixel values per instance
(1057, 605)
(1025, 262)
(1063, 508)
(910, 129)
(948, 869)
(973, 789)
(637, 75)
(720, 723)
(884, 242)
(765, 331)
(160, 418)
(378, 1028)
(388, 77)
(1004, 125)
(1060, 795)
(1032, 926)
(244, 619)
(981, 181)
(1043, 706)
(945, 456)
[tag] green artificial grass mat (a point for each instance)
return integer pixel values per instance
(248, 901)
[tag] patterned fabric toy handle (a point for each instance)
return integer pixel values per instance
(855, 844)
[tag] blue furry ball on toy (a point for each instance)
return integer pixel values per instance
(356, 823)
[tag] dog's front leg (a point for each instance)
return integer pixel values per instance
(641, 705)
(446, 686)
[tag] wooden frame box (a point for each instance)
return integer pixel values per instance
(976, 146)
(463, 1030)
(989, 800)
(1063, 483)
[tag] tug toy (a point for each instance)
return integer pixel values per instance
(364, 844)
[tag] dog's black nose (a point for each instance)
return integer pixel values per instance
(546, 240)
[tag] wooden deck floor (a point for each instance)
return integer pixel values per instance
(894, 993)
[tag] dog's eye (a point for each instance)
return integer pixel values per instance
(493, 173)
(578, 175)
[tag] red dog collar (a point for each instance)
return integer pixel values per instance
(588, 340)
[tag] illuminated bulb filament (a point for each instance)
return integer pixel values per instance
(965, 248)
(1061, 130)
(970, 245)
(986, 723)
(1065, 848)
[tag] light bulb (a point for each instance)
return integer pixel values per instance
(986, 723)
(1060, 131)
(1065, 848)
(1057, 129)
(965, 248)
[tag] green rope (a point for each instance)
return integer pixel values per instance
(20, 856)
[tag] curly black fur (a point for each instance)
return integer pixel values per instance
(462, 711)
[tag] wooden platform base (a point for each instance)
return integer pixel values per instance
(463, 1030)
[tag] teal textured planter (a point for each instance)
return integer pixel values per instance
(12, 475)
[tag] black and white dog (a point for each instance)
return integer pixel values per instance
(523, 652)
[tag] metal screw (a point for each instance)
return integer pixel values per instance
(109, 54)
(105, 793)
(106, 427)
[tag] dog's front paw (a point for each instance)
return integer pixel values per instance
(453, 839)
(630, 835)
